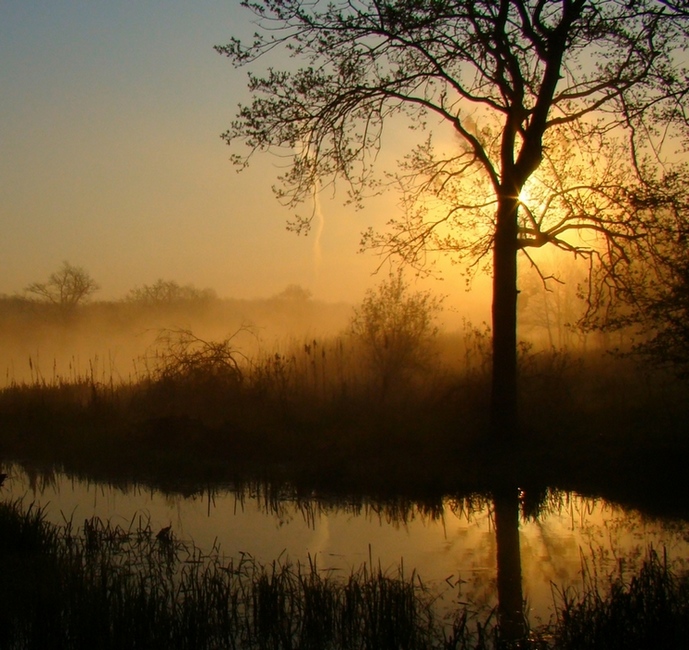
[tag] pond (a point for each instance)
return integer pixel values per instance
(451, 545)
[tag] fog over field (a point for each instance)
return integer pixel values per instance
(116, 340)
(112, 159)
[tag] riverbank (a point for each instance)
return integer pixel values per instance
(596, 426)
(592, 426)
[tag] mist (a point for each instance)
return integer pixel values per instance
(116, 341)
(112, 341)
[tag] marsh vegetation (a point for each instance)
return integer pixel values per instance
(353, 414)
(386, 410)
(112, 586)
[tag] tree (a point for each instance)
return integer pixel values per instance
(550, 310)
(67, 287)
(661, 313)
(667, 317)
(516, 82)
(167, 292)
(396, 327)
(294, 293)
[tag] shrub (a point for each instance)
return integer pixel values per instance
(396, 328)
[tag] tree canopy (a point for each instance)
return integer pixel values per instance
(167, 292)
(395, 327)
(549, 122)
(67, 287)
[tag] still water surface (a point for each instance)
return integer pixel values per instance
(451, 546)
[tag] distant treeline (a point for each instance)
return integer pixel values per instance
(47, 338)
(293, 309)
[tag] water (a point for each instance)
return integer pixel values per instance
(452, 546)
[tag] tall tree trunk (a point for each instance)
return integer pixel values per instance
(503, 406)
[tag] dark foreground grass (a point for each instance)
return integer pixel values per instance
(108, 587)
(646, 612)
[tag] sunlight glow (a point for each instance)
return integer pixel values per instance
(525, 194)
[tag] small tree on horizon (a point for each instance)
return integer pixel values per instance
(67, 287)
(294, 293)
(167, 292)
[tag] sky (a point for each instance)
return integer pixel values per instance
(111, 158)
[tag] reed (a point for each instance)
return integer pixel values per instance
(647, 610)
(110, 587)
(310, 412)
(106, 586)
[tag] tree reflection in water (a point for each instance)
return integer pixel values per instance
(511, 619)
(537, 538)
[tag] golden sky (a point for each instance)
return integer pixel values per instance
(111, 159)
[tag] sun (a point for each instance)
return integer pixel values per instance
(525, 194)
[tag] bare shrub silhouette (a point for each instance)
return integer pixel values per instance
(165, 292)
(181, 355)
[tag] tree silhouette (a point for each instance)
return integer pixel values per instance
(567, 87)
(662, 312)
(67, 287)
(167, 292)
(295, 293)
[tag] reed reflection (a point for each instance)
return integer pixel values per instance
(534, 538)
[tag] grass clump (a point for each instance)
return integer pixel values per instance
(649, 611)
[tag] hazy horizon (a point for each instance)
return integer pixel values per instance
(111, 117)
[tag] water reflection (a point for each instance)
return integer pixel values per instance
(496, 552)
(509, 566)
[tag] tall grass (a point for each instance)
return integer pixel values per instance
(647, 611)
(109, 587)
(311, 411)
(106, 586)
